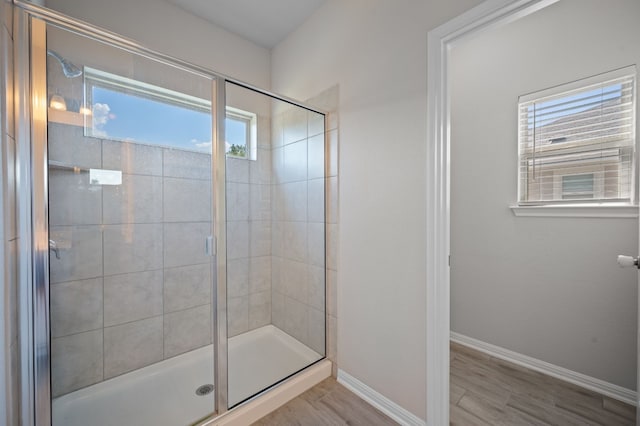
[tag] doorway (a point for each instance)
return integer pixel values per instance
(510, 294)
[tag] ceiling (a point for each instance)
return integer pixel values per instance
(264, 22)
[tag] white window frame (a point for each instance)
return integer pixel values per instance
(251, 141)
(586, 208)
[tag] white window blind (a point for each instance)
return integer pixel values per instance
(577, 142)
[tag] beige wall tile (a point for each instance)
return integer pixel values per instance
(277, 310)
(315, 123)
(237, 199)
(132, 248)
(132, 297)
(260, 236)
(294, 243)
(316, 282)
(277, 165)
(316, 331)
(332, 293)
(137, 200)
(187, 330)
(316, 157)
(295, 125)
(296, 319)
(294, 279)
(187, 287)
(237, 240)
(315, 200)
(277, 238)
(277, 284)
(187, 200)
(294, 199)
(259, 274)
(76, 306)
(295, 161)
(67, 145)
(333, 153)
(260, 169)
(76, 361)
(277, 130)
(132, 158)
(259, 309)
(237, 169)
(73, 200)
(237, 315)
(315, 236)
(185, 164)
(260, 202)
(184, 243)
(80, 253)
(332, 247)
(332, 199)
(131, 346)
(238, 277)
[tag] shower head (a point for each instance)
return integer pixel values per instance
(68, 68)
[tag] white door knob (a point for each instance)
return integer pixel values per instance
(627, 261)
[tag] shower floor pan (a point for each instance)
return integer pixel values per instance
(165, 393)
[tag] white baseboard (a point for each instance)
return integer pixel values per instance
(605, 388)
(379, 401)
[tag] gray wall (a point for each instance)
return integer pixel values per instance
(548, 288)
(9, 350)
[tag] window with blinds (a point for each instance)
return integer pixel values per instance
(577, 142)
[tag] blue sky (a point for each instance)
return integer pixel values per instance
(128, 117)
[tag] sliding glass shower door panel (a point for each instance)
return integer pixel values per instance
(275, 239)
(130, 213)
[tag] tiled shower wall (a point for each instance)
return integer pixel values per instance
(249, 237)
(298, 239)
(328, 101)
(9, 345)
(133, 283)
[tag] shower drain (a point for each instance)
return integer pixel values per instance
(204, 390)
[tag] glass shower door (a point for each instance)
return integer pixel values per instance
(275, 240)
(130, 215)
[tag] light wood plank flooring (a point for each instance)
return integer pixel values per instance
(489, 391)
(484, 391)
(328, 403)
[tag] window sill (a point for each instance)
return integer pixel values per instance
(584, 210)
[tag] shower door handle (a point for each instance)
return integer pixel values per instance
(210, 246)
(626, 261)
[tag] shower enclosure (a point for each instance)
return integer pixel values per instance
(178, 232)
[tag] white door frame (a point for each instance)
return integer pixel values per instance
(440, 39)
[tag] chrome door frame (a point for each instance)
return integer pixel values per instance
(30, 102)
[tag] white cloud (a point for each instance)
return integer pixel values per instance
(202, 146)
(100, 116)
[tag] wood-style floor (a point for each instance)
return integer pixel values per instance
(489, 391)
(484, 391)
(328, 403)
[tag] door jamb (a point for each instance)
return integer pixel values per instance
(439, 41)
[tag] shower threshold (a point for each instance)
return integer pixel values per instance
(178, 391)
